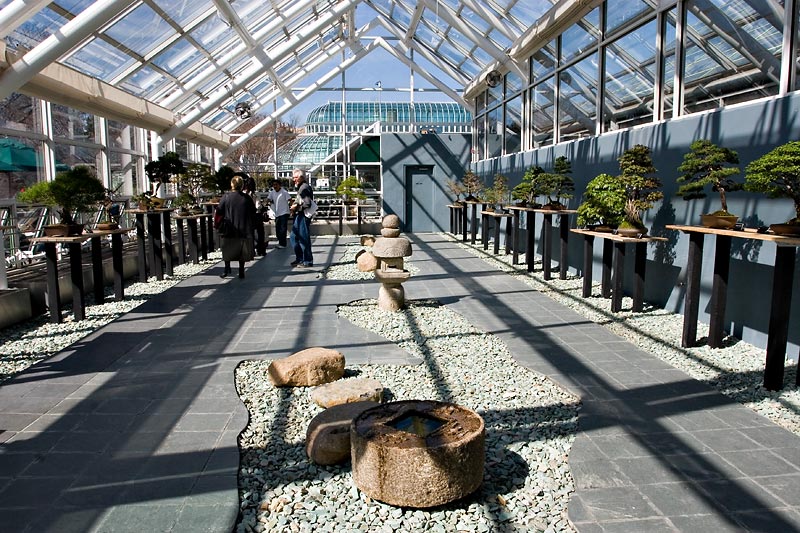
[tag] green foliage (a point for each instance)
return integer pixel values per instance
(456, 188)
(163, 169)
(350, 189)
(473, 185)
(603, 202)
(184, 199)
(777, 174)
(498, 192)
(641, 187)
(530, 187)
(220, 181)
(558, 184)
(143, 199)
(706, 164)
(193, 180)
(73, 190)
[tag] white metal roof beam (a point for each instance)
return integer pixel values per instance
(500, 25)
(17, 13)
(48, 51)
(412, 26)
(280, 53)
(311, 89)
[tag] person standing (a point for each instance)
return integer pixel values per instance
(249, 188)
(301, 227)
(238, 209)
(279, 200)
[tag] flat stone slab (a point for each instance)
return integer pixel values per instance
(348, 391)
(328, 434)
(307, 368)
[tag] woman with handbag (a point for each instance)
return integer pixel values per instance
(236, 212)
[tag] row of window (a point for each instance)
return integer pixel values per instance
(627, 62)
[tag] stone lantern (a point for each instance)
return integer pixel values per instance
(389, 250)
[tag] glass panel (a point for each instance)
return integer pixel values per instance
(542, 105)
(182, 148)
(179, 58)
(733, 53)
(580, 37)
(185, 10)
(72, 124)
(513, 84)
(618, 12)
(121, 135)
(479, 150)
(144, 81)
(99, 59)
(524, 12)
(67, 156)
(124, 175)
(480, 102)
(543, 61)
(494, 132)
(668, 85)
(141, 30)
(38, 28)
(629, 79)
(19, 112)
(212, 34)
(513, 126)
(577, 107)
(494, 95)
(20, 165)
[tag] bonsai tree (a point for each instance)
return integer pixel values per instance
(641, 187)
(473, 185)
(183, 201)
(708, 164)
(498, 193)
(777, 174)
(143, 200)
(220, 181)
(603, 202)
(530, 187)
(558, 184)
(193, 180)
(74, 190)
(350, 189)
(456, 188)
(163, 169)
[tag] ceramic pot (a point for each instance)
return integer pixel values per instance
(718, 221)
(631, 232)
(789, 230)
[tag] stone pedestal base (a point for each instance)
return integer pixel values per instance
(391, 297)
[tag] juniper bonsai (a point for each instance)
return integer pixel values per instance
(708, 164)
(603, 202)
(530, 187)
(641, 186)
(777, 174)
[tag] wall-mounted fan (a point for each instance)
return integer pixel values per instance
(493, 78)
(243, 110)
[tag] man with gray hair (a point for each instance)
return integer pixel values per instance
(301, 227)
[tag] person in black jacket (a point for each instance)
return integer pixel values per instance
(249, 188)
(238, 209)
(301, 228)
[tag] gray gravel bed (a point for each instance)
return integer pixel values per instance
(29, 342)
(736, 369)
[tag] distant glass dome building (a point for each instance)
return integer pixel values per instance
(322, 138)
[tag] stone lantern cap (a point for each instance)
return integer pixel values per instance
(391, 248)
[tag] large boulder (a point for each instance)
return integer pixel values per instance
(307, 368)
(367, 240)
(328, 434)
(347, 391)
(366, 262)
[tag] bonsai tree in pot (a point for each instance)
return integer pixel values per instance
(163, 169)
(72, 191)
(473, 186)
(143, 201)
(497, 194)
(641, 188)
(530, 187)
(558, 184)
(192, 181)
(350, 189)
(220, 181)
(777, 174)
(456, 188)
(603, 203)
(183, 202)
(709, 164)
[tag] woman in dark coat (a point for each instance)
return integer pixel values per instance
(239, 210)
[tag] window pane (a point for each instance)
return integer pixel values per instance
(580, 37)
(19, 112)
(480, 103)
(618, 12)
(629, 79)
(542, 104)
(513, 126)
(668, 85)
(20, 165)
(543, 61)
(733, 53)
(494, 132)
(67, 156)
(479, 148)
(73, 124)
(120, 135)
(513, 84)
(124, 177)
(577, 107)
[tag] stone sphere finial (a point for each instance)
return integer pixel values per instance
(391, 222)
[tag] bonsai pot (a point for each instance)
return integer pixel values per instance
(631, 232)
(785, 229)
(718, 221)
(554, 206)
(107, 226)
(63, 230)
(600, 228)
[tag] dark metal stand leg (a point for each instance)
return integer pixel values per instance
(515, 237)
(141, 248)
(563, 221)
(496, 235)
(193, 241)
(548, 244)
(485, 231)
(181, 241)
(53, 291)
(639, 266)
(605, 279)
(341, 220)
(473, 230)
(154, 237)
(168, 248)
(530, 247)
(691, 302)
(779, 317)
(204, 239)
(619, 269)
(116, 263)
(452, 223)
(98, 280)
(719, 291)
(76, 275)
(588, 252)
(509, 231)
(210, 235)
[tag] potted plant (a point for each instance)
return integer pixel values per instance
(777, 174)
(350, 190)
(641, 188)
(530, 188)
(72, 191)
(163, 169)
(497, 194)
(111, 214)
(183, 202)
(192, 181)
(708, 164)
(473, 186)
(143, 201)
(219, 182)
(558, 184)
(456, 188)
(603, 204)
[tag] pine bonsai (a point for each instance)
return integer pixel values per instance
(350, 189)
(74, 190)
(777, 174)
(498, 193)
(163, 169)
(641, 186)
(708, 164)
(456, 188)
(558, 184)
(603, 202)
(472, 185)
(530, 187)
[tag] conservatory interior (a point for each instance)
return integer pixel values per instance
(552, 282)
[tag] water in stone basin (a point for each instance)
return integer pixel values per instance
(417, 423)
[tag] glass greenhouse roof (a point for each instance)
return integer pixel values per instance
(199, 58)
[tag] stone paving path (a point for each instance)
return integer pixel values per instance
(134, 428)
